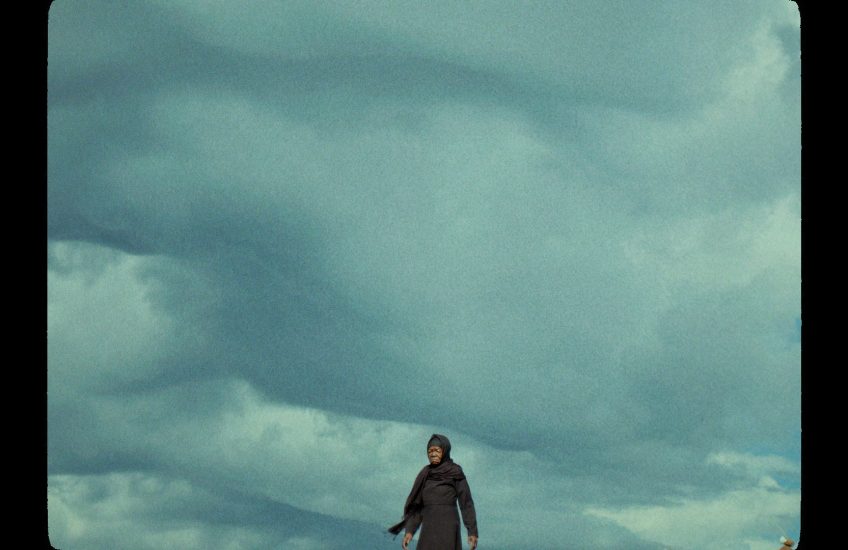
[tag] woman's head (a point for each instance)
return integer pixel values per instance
(438, 450)
(435, 455)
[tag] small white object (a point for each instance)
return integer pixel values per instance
(782, 539)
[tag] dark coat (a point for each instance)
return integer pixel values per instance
(431, 505)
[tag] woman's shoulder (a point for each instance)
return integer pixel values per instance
(456, 471)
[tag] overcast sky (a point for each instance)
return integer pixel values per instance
(289, 240)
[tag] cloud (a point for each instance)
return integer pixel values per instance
(547, 42)
(327, 473)
(258, 469)
(570, 238)
(752, 515)
(729, 519)
(151, 511)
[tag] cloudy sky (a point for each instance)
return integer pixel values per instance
(289, 240)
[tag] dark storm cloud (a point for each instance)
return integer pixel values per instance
(568, 233)
(171, 511)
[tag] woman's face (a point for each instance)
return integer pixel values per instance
(435, 455)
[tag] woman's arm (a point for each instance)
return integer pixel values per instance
(411, 526)
(413, 523)
(466, 506)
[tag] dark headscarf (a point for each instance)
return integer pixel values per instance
(447, 469)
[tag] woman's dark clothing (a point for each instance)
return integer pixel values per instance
(439, 518)
(432, 502)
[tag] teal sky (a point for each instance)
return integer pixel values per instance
(287, 241)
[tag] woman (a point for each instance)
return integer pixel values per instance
(432, 502)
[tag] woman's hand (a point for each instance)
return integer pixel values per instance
(472, 542)
(406, 538)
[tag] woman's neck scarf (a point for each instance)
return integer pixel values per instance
(445, 470)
